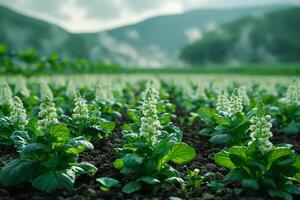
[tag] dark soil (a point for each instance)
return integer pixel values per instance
(103, 155)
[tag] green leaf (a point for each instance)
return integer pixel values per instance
(175, 179)
(280, 193)
(216, 185)
(133, 115)
(293, 189)
(165, 118)
(60, 134)
(78, 145)
(17, 171)
(149, 180)
(250, 184)
(108, 182)
(236, 174)
(220, 138)
(180, 153)
(222, 159)
(291, 129)
(276, 153)
(87, 168)
(131, 187)
(49, 182)
(160, 149)
(238, 155)
(34, 147)
(118, 163)
(132, 160)
(107, 125)
(20, 139)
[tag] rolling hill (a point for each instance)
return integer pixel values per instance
(269, 38)
(154, 42)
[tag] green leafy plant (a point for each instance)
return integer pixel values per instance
(286, 112)
(16, 121)
(48, 154)
(230, 120)
(259, 165)
(148, 150)
(86, 123)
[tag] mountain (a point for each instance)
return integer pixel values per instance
(158, 41)
(154, 42)
(270, 38)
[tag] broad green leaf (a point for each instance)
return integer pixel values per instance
(87, 168)
(50, 181)
(149, 180)
(132, 160)
(293, 189)
(34, 147)
(60, 134)
(280, 193)
(180, 153)
(133, 115)
(20, 139)
(237, 174)
(291, 129)
(165, 118)
(222, 159)
(107, 125)
(131, 187)
(161, 148)
(108, 182)
(220, 138)
(78, 145)
(17, 171)
(276, 153)
(238, 155)
(250, 184)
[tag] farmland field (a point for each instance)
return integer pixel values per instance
(137, 136)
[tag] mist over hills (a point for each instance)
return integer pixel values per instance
(154, 42)
(269, 38)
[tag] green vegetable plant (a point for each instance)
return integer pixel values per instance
(286, 111)
(228, 122)
(261, 166)
(17, 120)
(148, 149)
(88, 124)
(48, 155)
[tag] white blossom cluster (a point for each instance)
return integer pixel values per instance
(47, 115)
(45, 91)
(80, 111)
(293, 93)
(235, 103)
(229, 105)
(260, 131)
(71, 89)
(18, 114)
(5, 94)
(21, 87)
(243, 92)
(104, 93)
(222, 105)
(150, 127)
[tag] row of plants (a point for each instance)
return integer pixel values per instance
(29, 62)
(50, 125)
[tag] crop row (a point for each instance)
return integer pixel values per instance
(51, 123)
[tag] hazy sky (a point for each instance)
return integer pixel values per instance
(95, 15)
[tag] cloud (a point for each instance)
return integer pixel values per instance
(193, 34)
(95, 15)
